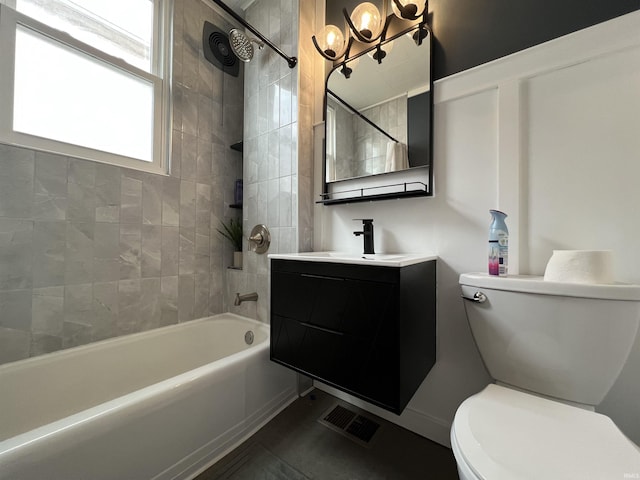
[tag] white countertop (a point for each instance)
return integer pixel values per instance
(379, 259)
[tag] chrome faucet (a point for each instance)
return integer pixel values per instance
(249, 297)
(367, 233)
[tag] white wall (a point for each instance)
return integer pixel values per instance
(551, 135)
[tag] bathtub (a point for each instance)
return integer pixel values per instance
(162, 404)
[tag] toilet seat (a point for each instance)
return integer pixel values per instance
(503, 434)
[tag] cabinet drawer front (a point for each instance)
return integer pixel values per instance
(338, 270)
(322, 354)
(352, 307)
(367, 369)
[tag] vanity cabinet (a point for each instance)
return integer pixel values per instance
(367, 330)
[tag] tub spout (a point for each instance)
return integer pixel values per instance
(249, 297)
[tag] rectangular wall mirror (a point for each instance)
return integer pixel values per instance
(378, 120)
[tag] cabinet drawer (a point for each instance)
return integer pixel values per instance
(324, 354)
(338, 270)
(354, 307)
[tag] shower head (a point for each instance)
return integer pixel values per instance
(242, 45)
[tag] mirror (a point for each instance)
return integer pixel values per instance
(378, 120)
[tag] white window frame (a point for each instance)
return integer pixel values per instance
(160, 78)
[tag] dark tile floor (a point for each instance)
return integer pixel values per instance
(295, 446)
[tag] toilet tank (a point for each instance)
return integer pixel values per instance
(567, 341)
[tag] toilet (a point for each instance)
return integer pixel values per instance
(554, 350)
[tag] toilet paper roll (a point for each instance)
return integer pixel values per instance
(580, 266)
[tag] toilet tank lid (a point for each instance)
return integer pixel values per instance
(537, 285)
(506, 434)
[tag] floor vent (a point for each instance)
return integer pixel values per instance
(339, 417)
(350, 424)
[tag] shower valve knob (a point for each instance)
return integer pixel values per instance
(259, 239)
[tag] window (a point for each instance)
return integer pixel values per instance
(87, 78)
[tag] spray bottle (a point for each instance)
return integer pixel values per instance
(498, 244)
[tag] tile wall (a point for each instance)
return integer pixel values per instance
(362, 148)
(371, 145)
(277, 144)
(90, 251)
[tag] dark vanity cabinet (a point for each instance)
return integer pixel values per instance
(367, 330)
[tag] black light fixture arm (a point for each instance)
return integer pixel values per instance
(410, 11)
(424, 29)
(292, 61)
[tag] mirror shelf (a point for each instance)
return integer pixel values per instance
(383, 192)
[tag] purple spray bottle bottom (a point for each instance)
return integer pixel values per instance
(494, 258)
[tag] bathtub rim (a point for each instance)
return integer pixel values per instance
(178, 384)
(131, 337)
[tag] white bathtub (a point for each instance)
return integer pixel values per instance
(161, 404)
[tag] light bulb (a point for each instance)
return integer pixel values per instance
(366, 18)
(410, 9)
(365, 21)
(331, 41)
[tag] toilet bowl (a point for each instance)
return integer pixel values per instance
(504, 434)
(554, 349)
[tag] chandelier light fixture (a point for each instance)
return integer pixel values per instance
(366, 31)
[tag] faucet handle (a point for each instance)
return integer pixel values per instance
(364, 220)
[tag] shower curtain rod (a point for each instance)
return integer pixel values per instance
(292, 61)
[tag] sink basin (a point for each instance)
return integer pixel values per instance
(381, 259)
